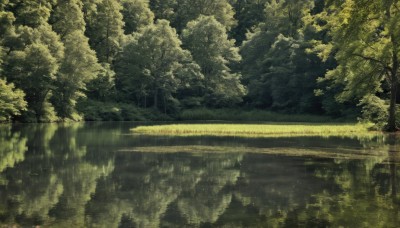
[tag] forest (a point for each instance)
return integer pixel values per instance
(74, 60)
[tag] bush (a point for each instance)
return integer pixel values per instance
(374, 110)
(251, 115)
(12, 101)
(109, 111)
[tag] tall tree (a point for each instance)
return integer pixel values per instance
(36, 65)
(188, 10)
(365, 40)
(104, 27)
(248, 14)
(33, 54)
(67, 17)
(137, 14)
(277, 67)
(12, 101)
(153, 63)
(79, 64)
(163, 9)
(211, 48)
(30, 13)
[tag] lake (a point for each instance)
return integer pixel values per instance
(102, 175)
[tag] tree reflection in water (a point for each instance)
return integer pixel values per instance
(81, 175)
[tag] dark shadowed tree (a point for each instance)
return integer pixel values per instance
(79, 64)
(154, 64)
(137, 15)
(104, 27)
(211, 48)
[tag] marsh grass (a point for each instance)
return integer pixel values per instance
(256, 130)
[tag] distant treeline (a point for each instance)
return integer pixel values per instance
(62, 58)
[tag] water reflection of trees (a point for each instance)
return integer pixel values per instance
(237, 190)
(12, 148)
(54, 176)
(146, 185)
(362, 193)
(72, 176)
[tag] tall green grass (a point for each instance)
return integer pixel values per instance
(252, 115)
(256, 130)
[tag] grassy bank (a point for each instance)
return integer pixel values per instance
(256, 130)
(251, 115)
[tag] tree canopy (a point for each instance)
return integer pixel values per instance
(211, 48)
(318, 57)
(153, 64)
(365, 39)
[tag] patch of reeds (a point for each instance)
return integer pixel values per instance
(256, 130)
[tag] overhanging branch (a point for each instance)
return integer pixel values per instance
(386, 67)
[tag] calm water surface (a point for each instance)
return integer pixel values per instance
(99, 175)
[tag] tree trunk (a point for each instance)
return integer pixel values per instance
(107, 36)
(37, 115)
(391, 126)
(39, 106)
(165, 105)
(155, 105)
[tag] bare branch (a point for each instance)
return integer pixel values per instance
(385, 66)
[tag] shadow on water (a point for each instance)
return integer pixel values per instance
(96, 175)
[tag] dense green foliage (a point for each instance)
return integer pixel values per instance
(11, 101)
(365, 40)
(234, 114)
(110, 111)
(335, 58)
(154, 64)
(208, 42)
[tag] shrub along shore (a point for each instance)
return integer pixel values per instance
(232, 114)
(111, 111)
